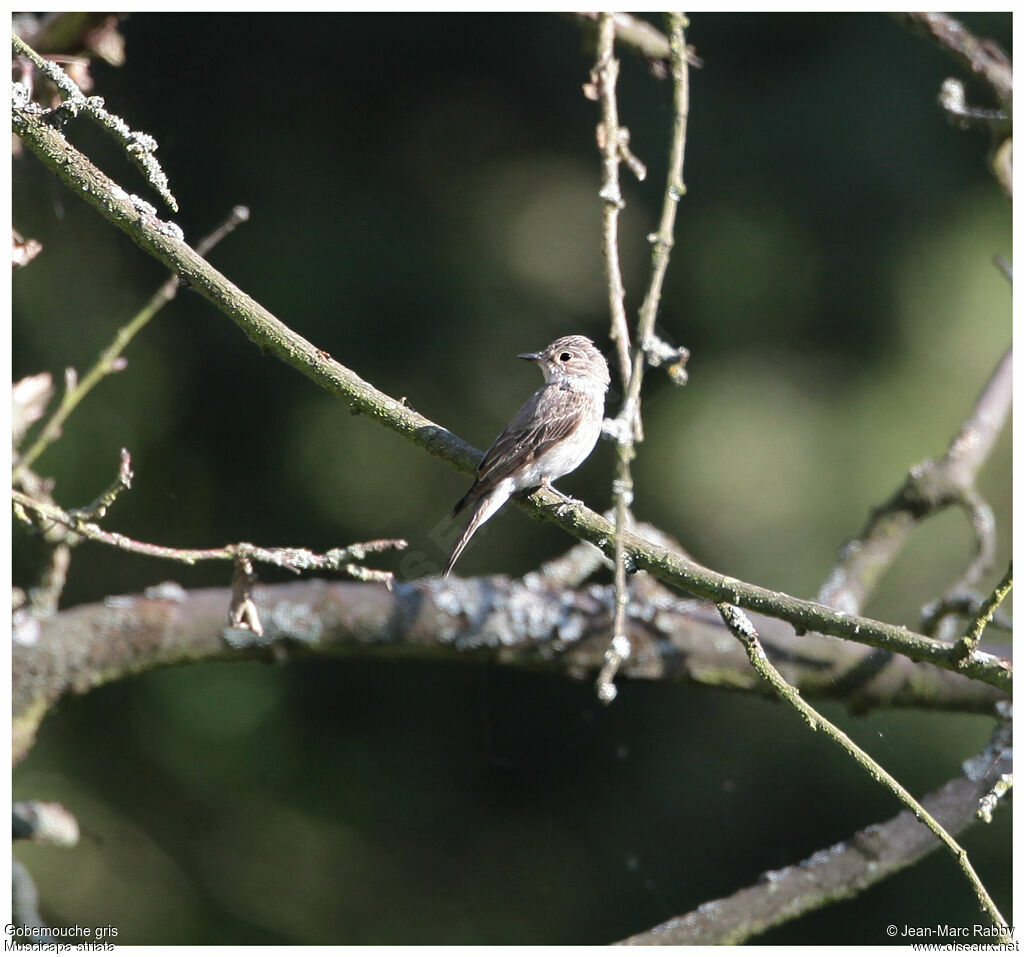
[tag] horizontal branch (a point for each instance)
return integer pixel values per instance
(565, 633)
(289, 557)
(274, 337)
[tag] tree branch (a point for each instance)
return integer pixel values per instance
(139, 147)
(628, 425)
(842, 871)
(274, 337)
(291, 558)
(930, 486)
(674, 639)
(611, 140)
(638, 35)
(982, 57)
(985, 614)
(987, 61)
(111, 359)
(744, 631)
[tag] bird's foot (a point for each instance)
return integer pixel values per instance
(567, 500)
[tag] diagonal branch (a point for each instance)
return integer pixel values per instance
(930, 486)
(982, 57)
(262, 327)
(111, 359)
(138, 146)
(985, 614)
(744, 631)
(841, 871)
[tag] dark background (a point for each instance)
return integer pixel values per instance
(424, 207)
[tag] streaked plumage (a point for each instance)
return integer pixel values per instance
(550, 436)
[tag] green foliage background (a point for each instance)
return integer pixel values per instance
(424, 207)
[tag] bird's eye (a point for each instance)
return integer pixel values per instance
(565, 357)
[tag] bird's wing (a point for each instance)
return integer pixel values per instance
(548, 416)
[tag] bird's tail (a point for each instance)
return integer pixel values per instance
(482, 509)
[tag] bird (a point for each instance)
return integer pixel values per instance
(550, 436)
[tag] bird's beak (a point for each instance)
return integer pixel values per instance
(529, 356)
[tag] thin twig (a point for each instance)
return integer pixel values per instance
(122, 482)
(628, 430)
(243, 612)
(744, 631)
(988, 804)
(986, 60)
(969, 642)
(609, 135)
(640, 37)
(110, 360)
(966, 604)
(953, 99)
(651, 348)
(292, 559)
(981, 57)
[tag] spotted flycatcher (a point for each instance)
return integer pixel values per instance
(550, 436)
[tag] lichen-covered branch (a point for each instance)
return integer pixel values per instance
(564, 631)
(985, 614)
(138, 146)
(264, 329)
